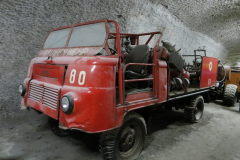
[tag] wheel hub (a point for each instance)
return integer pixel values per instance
(127, 141)
(130, 139)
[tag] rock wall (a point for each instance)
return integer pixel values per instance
(233, 59)
(25, 24)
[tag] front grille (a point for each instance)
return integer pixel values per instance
(36, 92)
(48, 95)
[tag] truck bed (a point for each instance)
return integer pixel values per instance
(190, 91)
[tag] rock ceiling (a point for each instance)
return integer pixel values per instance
(219, 19)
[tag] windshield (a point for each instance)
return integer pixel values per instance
(88, 35)
(81, 36)
(57, 39)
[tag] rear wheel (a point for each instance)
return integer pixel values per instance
(195, 113)
(168, 107)
(230, 95)
(125, 142)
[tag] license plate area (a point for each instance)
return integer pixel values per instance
(53, 74)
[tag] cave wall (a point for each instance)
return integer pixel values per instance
(25, 24)
(233, 59)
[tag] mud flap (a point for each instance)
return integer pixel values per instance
(22, 105)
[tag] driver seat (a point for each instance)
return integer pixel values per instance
(139, 54)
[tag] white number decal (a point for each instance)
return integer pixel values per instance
(209, 82)
(72, 76)
(81, 78)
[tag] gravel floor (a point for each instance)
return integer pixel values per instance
(216, 136)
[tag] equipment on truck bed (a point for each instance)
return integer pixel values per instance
(86, 78)
(226, 88)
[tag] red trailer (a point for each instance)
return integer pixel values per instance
(90, 79)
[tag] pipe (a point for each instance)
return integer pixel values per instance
(224, 74)
(162, 52)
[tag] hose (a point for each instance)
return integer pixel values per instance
(224, 74)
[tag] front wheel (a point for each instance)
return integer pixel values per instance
(195, 113)
(125, 142)
(56, 130)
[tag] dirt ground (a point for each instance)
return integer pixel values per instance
(216, 136)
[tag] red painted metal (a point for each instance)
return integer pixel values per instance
(94, 101)
(52, 74)
(93, 86)
(139, 96)
(121, 110)
(149, 39)
(124, 35)
(162, 81)
(209, 72)
(69, 37)
(120, 61)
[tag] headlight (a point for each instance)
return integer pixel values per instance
(67, 104)
(22, 89)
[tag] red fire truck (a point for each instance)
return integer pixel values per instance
(92, 79)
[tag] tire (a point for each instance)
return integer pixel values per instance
(139, 54)
(56, 130)
(230, 95)
(112, 144)
(168, 108)
(194, 115)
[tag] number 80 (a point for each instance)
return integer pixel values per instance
(81, 78)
